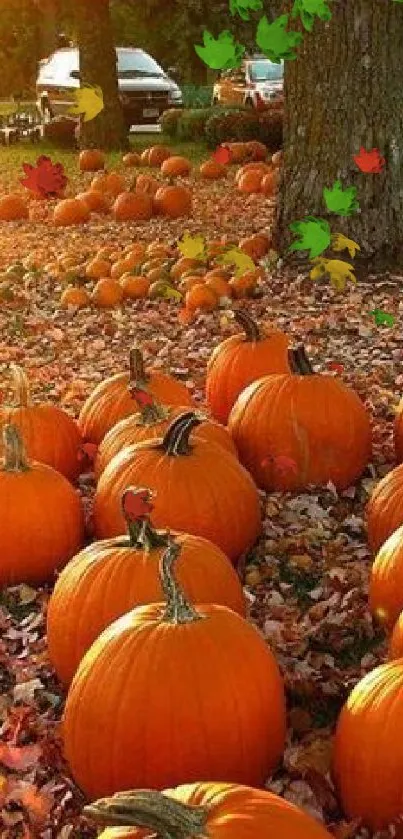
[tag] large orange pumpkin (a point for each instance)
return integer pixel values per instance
(173, 201)
(147, 184)
(386, 582)
(216, 810)
(50, 435)
(176, 165)
(107, 293)
(91, 160)
(13, 208)
(151, 422)
(297, 429)
(157, 155)
(186, 694)
(250, 182)
(368, 750)
(132, 206)
(225, 506)
(130, 566)
(385, 508)
(42, 521)
(71, 211)
(112, 400)
(240, 360)
(212, 170)
(95, 201)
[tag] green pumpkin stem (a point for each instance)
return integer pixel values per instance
(15, 459)
(142, 534)
(155, 811)
(138, 375)
(177, 609)
(176, 438)
(22, 395)
(299, 362)
(249, 326)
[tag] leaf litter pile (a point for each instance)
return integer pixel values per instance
(307, 579)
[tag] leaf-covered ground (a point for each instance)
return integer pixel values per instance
(306, 580)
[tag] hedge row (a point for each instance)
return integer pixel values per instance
(216, 125)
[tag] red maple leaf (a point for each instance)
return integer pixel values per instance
(222, 155)
(136, 503)
(143, 398)
(45, 179)
(369, 161)
(338, 368)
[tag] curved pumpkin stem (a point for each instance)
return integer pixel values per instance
(176, 439)
(177, 609)
(15, 458)
(299, 362)
(249, 326)
(22, 392)
(142, 534)
(168, 818)
(138, 375)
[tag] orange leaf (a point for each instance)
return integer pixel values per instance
(19, 758)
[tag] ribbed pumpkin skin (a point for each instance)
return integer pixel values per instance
(50, 436)
(368, 750)
(386, 582)
(206, 493)
(236, 363)
(110, 402)
(398, 432)
(179, 702)
(239, 812)
(385, 508)
(104, 581)
(132, 430)
(314, 421)
(396, 640)
(41, 524)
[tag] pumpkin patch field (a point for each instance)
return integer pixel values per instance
(201, 512)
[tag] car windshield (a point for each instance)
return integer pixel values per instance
(137, 64)
(266, 71)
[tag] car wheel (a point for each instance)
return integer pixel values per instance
(249, 103)
(215, 101)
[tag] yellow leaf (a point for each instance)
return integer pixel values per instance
(341, 243)
(193, 247)
(339, 272)
(241, 260)
(89, 101)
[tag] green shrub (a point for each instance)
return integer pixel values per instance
(196, 96)
(192, 124)
(229, 126)
(169, 121)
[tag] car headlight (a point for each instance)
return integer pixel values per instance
(175, 95)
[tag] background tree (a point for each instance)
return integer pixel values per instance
(98, 67)
(345, 91)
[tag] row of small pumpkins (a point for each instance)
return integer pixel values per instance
(156, 270)
(186, 477)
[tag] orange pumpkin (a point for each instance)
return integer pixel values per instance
(243, 285)
(130, 564)
(115, 183)
(239, 151)
(176, 165)
(107, 293)
(42, 521)
(256, 246)
(227, 510)
(208, 659)
(212, 170)
(398, 432)
(396, 641)
(386, 583)
(287, 443)
(173, 201)
(240, 360)
(75, 296)
(13, 208)
(132, 206)
(157, 155)
(150, 423)
(255, 166)
(218, 810)
(270, 183)
(185, 263)
(250, 182)
(91, 160)
(385, 508)
(70, 211)
(201, 296)
(113, 399)
(368, 751)
(50, 435)
(95, 201)
(135, 287)
(98, 268)
(147, 184)
(220, 287)
(256, 150)
(131, 159)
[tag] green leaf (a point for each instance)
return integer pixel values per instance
(339, 200)
(309, 9)
(243, 7)
(314, 235)
(221, 53)
(273, 39)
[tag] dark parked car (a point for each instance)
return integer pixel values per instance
(145, 89)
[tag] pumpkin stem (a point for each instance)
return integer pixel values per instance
(299, 362)
(177, 609)
(21, 387)
(151, 411)
(142, 534)
(249, 326)
(176, 438)
(155, 811)
(15, 458)
(138, 376)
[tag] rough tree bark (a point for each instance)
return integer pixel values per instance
(98, 67)
(345, 90)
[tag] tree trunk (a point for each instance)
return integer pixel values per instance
(344, 91)
(98, 67)
(48, 27)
